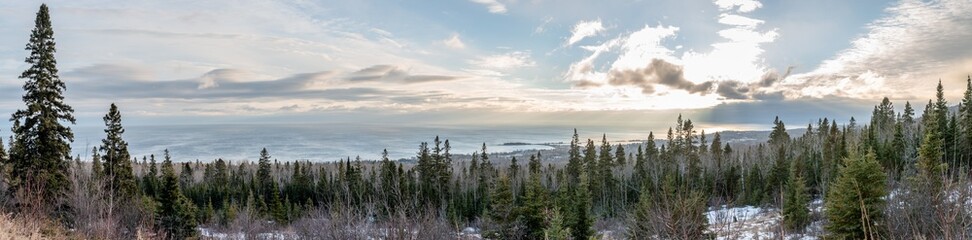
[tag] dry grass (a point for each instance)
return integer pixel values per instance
(14, 228)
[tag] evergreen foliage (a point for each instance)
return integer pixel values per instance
(176, 214)
(117, 161)
(41, 149)
(855, 203)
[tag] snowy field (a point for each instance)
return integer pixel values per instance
(748, 222)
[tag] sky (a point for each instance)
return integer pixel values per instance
(493, 62)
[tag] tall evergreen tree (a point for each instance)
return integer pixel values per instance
(579, 218)
(534, 205)
(150, 180)
(117, 161)
(97, 170)
(796, 216)
(175, 213)
(575, 163)
(931, 169)
(965, 124)
(941, 116)
(779, 135)
(502, 212)
(42, 154)
(269, 190)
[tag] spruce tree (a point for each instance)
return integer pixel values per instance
(965, 125)
(97, 170)
(855, 203)
(796, 216)
(931, 169)
(43, 142)
(501, 212)
(175, 213)
(117, 163)
(535, 203)
(778, 136)
(558, 230)
(266, 184)
(580, 221)
(574, 162)
(150, 180)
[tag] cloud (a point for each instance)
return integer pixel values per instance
(915, 43)
(658, 72)
(772, 77)
(506, 61)
(494, 6)
(113, 71)
(390, 73)
(454, 42)
(733, 68)
(212, 78)
(234, 84)
(584, 29)
(543, 26)
(737, 20)
(740, 5)
(732, 90)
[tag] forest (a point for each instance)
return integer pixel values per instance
(902, 175)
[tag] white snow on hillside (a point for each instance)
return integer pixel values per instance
(749, 222)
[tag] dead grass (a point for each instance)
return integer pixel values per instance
(12, 228)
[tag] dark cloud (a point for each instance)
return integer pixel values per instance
(732, 90)
(378, 72)
(429, 78)
(772, 77)
(769, 96)
(658, 72)
(586, 84)
(661, 72)
(375, 70)
(391, 73)
(738, 90)
(290, 108)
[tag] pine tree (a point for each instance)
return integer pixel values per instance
(855, 203)
(175, 212)
(43, 143)
(267, 185)
(779, 135)
(97, 170)
(580, 221)
(575, 164)
(965, 125)
(558, 230)
(501, 210)
(644, 216)
(941, 116)
(619, 156)
(117, 163)
(150, 180)
(535, 202)
(796, 216)
(931, 169)
(716, 150)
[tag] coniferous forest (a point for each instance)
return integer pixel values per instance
(903, 175)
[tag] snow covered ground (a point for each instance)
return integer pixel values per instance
(749, 222)
(206, 233)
